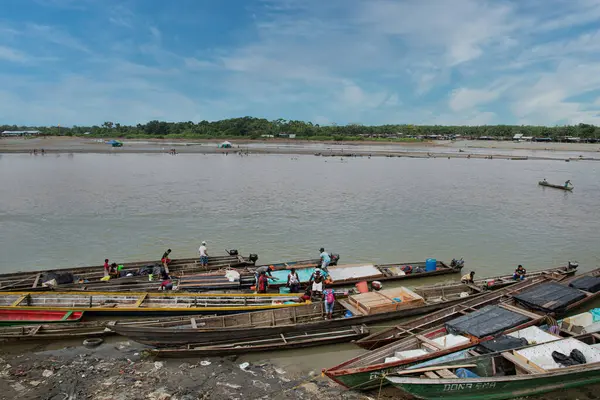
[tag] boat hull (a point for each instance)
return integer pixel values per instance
(31, 317)
(561, 187)
(266, 343)
(495, 388)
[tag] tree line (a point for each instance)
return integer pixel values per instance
(255, 128)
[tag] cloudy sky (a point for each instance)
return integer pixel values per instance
(467, 62)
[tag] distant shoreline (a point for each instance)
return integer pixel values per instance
(445, 149)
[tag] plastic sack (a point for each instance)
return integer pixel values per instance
(465, 373)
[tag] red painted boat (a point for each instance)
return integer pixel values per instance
(33, 317)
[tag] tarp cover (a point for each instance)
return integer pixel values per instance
(549, 297)
(501, 343)
(588, 283)
(490, 320)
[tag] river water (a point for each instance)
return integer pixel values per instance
(66, 210)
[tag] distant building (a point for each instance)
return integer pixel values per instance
(267, 136)
(287, 135)
(518, 137)
(21, 133)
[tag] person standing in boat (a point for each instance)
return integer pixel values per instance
(165, 260)
(106, 267)
(203, 255)
(325, 259)
(293, 281)
(262, 283)
(468, 278)
(520, 273)
(544, 181)
(567, 183)
(260, 270)
(329, 301)
(316, 282)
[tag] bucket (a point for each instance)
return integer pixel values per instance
(362, 287)
(430, 264)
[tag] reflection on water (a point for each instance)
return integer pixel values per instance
(79, 210)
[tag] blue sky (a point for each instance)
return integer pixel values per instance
(456, 62)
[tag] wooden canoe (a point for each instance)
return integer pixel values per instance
(32, 279)
(518, 377)
(561, 187)
(29, 317)
(86, 329)
(141, 283)
(501, 281)
(272, 342)
(310, 317)
(366, 371)
(143, 304)
(340, 275)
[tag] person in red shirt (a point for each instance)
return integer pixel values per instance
(263, 283)
(106, 267)
(165, 260)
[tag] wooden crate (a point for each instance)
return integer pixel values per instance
(383, 301)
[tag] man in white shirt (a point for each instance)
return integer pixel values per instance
(203, 255)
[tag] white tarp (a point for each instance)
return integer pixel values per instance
(534, 335)
(448, 341)
(542, 355)
(353, 272)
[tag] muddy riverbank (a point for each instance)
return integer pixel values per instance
(447, 149)
(124, 371)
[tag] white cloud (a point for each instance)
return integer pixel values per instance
(465, 99)
(57, 36)
(13, 55)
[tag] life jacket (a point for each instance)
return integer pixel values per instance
(330, 298)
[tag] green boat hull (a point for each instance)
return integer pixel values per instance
(376, 378)
(509, 387)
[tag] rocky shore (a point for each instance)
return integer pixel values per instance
(124, 371)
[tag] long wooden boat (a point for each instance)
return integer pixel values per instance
(141, 283)
(34, 279)
(311, 316)
(268, 342)
(367, 370)
(339, 275)
(87, 329)
(508, 374)
(561, 187)
(28, 317)
(143, 304)
(501, 281)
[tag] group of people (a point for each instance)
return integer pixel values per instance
(520, 273)
(316, 287)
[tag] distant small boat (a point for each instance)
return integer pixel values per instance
(30, 317)
(562, 187)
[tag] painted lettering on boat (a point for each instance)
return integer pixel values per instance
(453, 387)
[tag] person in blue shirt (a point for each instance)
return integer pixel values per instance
(325, 259)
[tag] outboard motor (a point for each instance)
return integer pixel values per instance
(232, 252)
(334, 258)
(458, 264)
(253, 258)
(573, 264)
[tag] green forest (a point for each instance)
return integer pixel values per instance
(256, 128)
